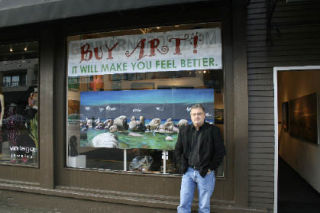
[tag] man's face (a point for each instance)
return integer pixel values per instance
(197, 116)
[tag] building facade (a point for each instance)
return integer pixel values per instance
(93, 94)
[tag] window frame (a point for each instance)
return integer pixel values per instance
(227, 191)
(16, 172)
(66, 174)
(115, 78)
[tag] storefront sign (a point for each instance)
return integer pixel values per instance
(153, 52)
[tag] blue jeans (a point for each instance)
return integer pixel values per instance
(205, 185)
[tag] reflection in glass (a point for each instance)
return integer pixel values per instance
(19, 143)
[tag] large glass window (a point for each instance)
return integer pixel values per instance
(130, 91)
(14, 80)
(19, 143)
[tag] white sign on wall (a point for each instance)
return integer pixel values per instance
(153, 52)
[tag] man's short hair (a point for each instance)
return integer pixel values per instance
(196, 106)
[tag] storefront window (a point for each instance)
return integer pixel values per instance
(19, 142)
(130, 91)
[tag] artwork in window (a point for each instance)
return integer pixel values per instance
(147, 119)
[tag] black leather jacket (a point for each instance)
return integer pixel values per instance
(211, 148)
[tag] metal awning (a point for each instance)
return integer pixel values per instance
(19, 12)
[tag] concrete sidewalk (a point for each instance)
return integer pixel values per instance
(8, 205)
(13, 209)
(10, 209)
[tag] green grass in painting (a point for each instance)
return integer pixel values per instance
(147, 140)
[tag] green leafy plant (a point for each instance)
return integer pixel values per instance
(34, 130)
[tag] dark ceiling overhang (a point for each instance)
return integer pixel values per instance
(19, 12)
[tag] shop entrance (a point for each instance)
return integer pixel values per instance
(297, 123)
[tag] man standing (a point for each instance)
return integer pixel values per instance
(199, 151)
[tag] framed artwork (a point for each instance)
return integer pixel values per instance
(285, 116)
(303, 118)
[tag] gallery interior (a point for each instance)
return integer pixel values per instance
(298, 143)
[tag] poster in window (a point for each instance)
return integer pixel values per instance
(146, 119)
